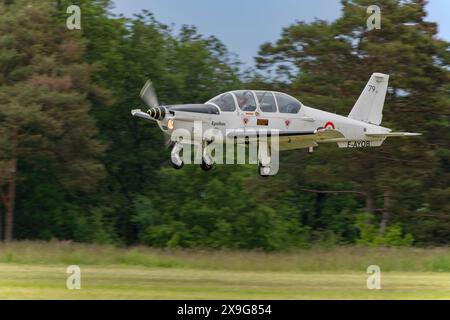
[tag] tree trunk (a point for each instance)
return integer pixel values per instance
(386, 211)
(1, 223)
(370, 202)
(9, 210)
(9, 199)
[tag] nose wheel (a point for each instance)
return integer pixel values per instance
(205, 166)
(176, 156)
(207, 160)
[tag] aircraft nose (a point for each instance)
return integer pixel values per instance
(157, 113)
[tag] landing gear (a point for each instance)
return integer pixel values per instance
(264, 171)
(176, 156)
(207, 160)
(205, 166)
(264, 160)
(177, 166)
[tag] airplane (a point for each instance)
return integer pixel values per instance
(241, 115)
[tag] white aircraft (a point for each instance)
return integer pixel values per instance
(253, 114)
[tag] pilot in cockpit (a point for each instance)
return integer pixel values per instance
(243, 102)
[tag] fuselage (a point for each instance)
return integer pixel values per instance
(264, 112)
(266, 122)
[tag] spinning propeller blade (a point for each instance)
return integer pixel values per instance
(148, 95)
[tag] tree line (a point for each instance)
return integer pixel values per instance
(75, 165)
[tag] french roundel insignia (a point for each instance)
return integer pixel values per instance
(329, 125)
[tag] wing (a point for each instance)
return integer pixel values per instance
(266, 133)
(289, 140)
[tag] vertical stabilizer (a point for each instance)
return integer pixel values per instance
(369, 106)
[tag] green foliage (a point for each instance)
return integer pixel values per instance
(369, 234)
(191, 209)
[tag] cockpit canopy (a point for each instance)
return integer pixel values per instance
(253, 100)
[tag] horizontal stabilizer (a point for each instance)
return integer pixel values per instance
(393, 134)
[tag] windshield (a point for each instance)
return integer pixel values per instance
(225, 102)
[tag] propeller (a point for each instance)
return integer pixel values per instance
(148, 95)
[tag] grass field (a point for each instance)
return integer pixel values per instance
(30, 270)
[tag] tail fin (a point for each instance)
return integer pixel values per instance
(369, 106)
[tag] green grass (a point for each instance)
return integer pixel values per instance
(322, 259)
(48, 282)
(37, 270)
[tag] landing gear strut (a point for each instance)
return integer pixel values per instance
(176, 156)
(207, 160)
(263, 160)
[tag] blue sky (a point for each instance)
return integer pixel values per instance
(243, 25)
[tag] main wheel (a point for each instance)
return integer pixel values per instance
(177, 166)
(263, 171)
(205, 166)
(176, 156)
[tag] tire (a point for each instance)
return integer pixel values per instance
(260, 171)
(175, 166)
(205, 166)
